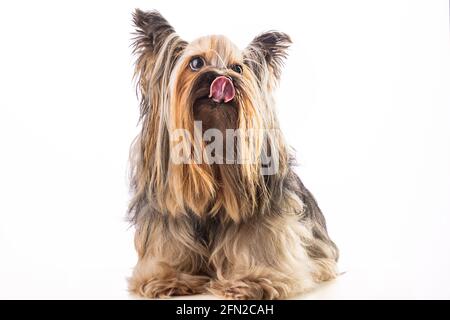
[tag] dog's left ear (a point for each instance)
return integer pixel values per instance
(268, 49)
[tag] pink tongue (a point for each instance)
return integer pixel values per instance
(222, 89)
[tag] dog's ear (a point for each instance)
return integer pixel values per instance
(152, 30)
(268, 49)
(157, 48)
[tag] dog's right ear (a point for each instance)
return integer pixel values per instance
(152, 30)
(157, 48)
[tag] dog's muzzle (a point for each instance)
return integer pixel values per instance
(222, 90)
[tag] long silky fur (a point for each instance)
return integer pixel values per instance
(226, 229)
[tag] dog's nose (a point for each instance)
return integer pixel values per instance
(222, 89)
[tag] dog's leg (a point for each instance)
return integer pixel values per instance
(267, 259)
(171, 259)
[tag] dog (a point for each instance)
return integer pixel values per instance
(233, 219)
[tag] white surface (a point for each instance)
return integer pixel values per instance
(364, 99)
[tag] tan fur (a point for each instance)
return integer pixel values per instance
(223, 228)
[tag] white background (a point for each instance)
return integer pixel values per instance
(364, 99)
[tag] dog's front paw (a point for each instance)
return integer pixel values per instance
(249, 289)
(155, 288)
(164, 288)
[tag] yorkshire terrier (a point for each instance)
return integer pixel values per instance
(231, 218)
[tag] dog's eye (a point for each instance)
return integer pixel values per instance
(196, 63)
(237, 68)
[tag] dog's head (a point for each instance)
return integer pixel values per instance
(212, 83)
